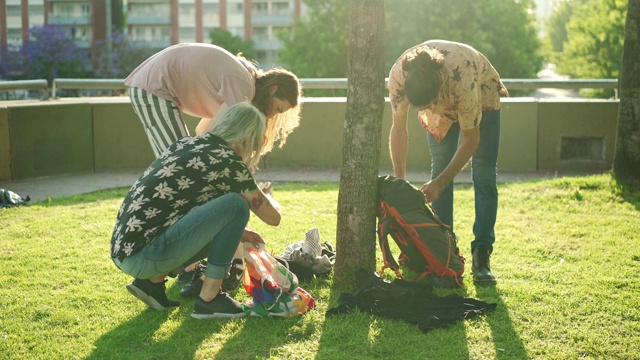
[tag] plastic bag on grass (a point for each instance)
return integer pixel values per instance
(272, 285)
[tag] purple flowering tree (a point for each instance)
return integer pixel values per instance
(49, 53)
(123, 56)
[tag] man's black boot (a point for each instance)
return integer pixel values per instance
(481, 268)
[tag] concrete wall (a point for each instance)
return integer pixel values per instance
(48, 138)
(317, 142)
(589, 127)
(5, 154)
(42, 138)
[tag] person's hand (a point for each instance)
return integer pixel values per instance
(432, 190)
(265, 187)
(253, 237)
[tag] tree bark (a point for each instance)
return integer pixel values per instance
(356, 227)
(626, 162)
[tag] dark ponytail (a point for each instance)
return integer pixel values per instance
(422, 83)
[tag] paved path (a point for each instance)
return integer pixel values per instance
(59, 186)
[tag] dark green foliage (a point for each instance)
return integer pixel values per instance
(594, 39)
(317, 46)
(122, 58)
(233, 44)
(504, 31)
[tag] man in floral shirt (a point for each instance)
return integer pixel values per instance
(193, 203)
(457, 93)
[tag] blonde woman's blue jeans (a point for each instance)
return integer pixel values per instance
(483, 174)
(212, 231)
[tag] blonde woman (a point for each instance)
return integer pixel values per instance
(457, 92)
(193, 203)
(200, 79)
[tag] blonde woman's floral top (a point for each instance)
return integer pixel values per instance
(191, 172)
(470, 85)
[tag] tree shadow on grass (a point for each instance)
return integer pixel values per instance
(131, 339)
(507, 343)
(175, 335)
(143, 336)
(360, 335)
(631, 194)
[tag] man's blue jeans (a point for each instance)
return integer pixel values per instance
(483, 173)
(212, 231)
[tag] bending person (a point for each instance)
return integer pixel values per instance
(457, 92)
(193, 203)
(199, 79)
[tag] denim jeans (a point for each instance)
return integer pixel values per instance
(483, 173)
(212, 231)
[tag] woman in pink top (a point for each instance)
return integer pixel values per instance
(201, 79)
(457, 92)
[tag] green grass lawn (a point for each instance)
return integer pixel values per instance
(567, 261)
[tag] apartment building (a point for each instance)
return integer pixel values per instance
(157, 23)
(161, 23)
(88, 21)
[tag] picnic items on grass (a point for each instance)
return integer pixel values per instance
(272, 285)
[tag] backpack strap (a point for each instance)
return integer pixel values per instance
(384, 228)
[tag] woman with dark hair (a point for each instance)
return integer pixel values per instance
(201, 79)
(457, 93)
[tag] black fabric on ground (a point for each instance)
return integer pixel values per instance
(411, 302)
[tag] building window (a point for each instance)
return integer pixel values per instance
(237, 8)
(211, 15)
(260, 8)
(260, 33)
(281, 8)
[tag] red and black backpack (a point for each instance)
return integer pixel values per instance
(426, 244)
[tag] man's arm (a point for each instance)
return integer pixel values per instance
(468, 146)
(398, 143)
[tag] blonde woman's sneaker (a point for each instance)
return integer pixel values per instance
(152, 294)
(222, 306)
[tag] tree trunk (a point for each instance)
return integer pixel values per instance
(626, 162)
(356, 228)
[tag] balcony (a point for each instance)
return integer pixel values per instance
(66, 20)
(259, 44)
(151, 19)
(271, 19)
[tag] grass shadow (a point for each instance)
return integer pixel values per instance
(132, 339)
(360, 335)
(631, 194)
(506, 340)
(342, 333)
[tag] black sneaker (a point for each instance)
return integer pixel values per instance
(152, 294)
(222, 306)
(193, 287)
(185, 277)
(235, 275)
